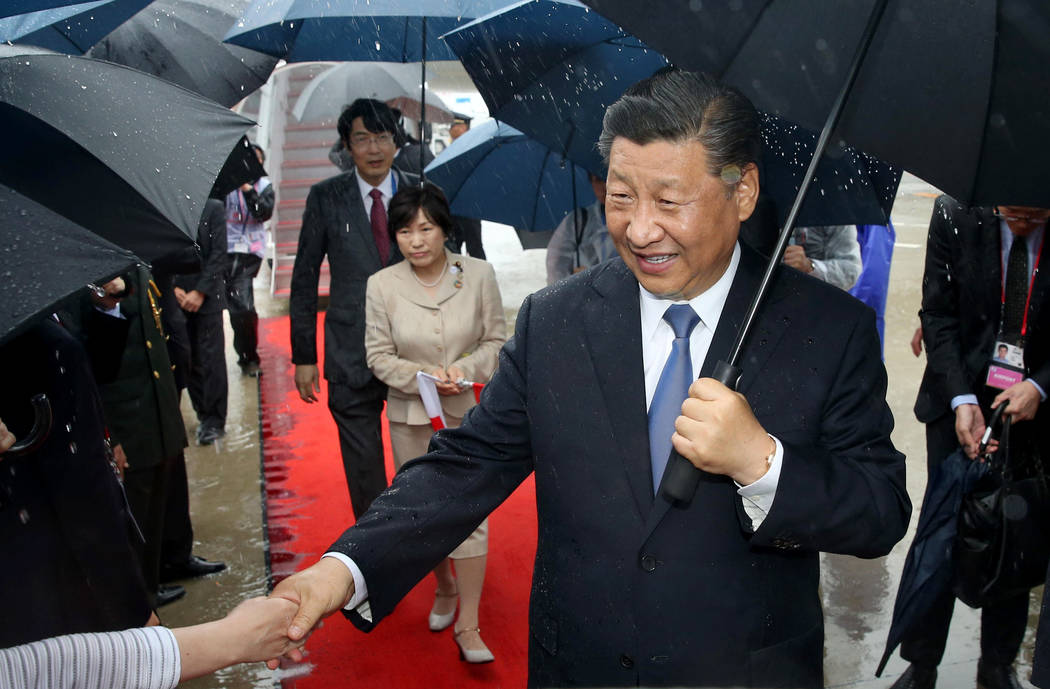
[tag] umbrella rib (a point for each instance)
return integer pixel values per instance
(539, 185)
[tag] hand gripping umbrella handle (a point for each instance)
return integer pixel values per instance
(680, 476)
(41, 427)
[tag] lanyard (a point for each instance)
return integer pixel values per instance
(1031, 283)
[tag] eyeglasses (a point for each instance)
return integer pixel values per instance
(364, 141)
(1021, 213)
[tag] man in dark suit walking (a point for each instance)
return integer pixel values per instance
(629, 590)
(981, 292)
(345, 219)
(202, 298)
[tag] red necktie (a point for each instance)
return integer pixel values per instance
(378, 218)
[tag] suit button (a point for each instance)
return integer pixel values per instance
(149, 345)
(649, 563)
(626, 662)
(437, 331)
(156, 375)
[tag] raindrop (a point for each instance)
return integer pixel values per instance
(23, 516)
(72, 448)
(69, 428)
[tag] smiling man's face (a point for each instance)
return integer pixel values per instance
(673, 222)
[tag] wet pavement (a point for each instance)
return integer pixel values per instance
(858, 594)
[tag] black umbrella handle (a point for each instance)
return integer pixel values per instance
(680, 477)
(41, 428)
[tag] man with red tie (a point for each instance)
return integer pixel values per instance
(345, 219)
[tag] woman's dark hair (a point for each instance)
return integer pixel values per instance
(407, 202)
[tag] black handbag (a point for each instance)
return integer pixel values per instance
(1002, 544)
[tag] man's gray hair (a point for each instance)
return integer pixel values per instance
(679, 106)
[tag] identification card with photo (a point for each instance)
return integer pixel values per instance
(1006, 367)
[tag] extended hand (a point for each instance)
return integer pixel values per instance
(795, 256)
(969, 427)
(259, 630)
(307, 382)
(7, 438)
(1024, 401)
(319, 591)
(719, 434)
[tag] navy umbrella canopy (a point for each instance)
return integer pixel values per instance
(552, 67)
(181, 41)
(380, 30)
(952, 92)
(494, 172)
(72, 29)
(122, 153)
(45, 259)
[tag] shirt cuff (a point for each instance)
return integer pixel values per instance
(964, 399)
(758, 496)
(115, 313)
(359, 601)
(820, 271)
(1038, 387)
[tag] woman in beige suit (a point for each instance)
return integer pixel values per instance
(440, 313)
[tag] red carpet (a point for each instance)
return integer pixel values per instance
(308, 507)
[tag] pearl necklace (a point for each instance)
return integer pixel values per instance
(436, 281)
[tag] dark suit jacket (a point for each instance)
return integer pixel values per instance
(335, 224)
(68, 564)
(960, 313)
(627, 590)
(211, 280)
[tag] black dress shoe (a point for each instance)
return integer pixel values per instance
(169, 593)
(917, 677)
(993, 676)
(193, 567)
(207, 436)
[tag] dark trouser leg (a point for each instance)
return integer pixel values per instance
(177, 538)
(472, 237)
(207, 381)
(1002, 629)
(357, 415)
(145, 489)
(241, 304)
(924, 643)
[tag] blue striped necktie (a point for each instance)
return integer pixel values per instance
(672, 389)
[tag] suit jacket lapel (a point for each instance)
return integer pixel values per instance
(613, 330)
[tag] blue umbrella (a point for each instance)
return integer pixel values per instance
(374, 30)
(356, 30)
(13, 7)
(72, 29)
(494, 172)
(552, 67)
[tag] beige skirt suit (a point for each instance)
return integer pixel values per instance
(407, 330)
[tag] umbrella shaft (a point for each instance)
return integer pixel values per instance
(822, 143)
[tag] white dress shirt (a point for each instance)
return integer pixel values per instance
(388, 187)
(657, 337)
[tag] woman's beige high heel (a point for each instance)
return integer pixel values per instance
(469, 655)
(439, 622)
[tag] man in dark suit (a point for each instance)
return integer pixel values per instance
(345, 219)
(202, 298)
(970, 305)
(629, 590)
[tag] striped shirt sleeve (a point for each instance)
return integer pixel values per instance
(146, 658)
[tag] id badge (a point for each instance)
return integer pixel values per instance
(242, 248)
(1006, 367)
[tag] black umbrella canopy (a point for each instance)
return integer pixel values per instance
(181, 41)
(45, 259)
(952, 92)
(122, 153)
